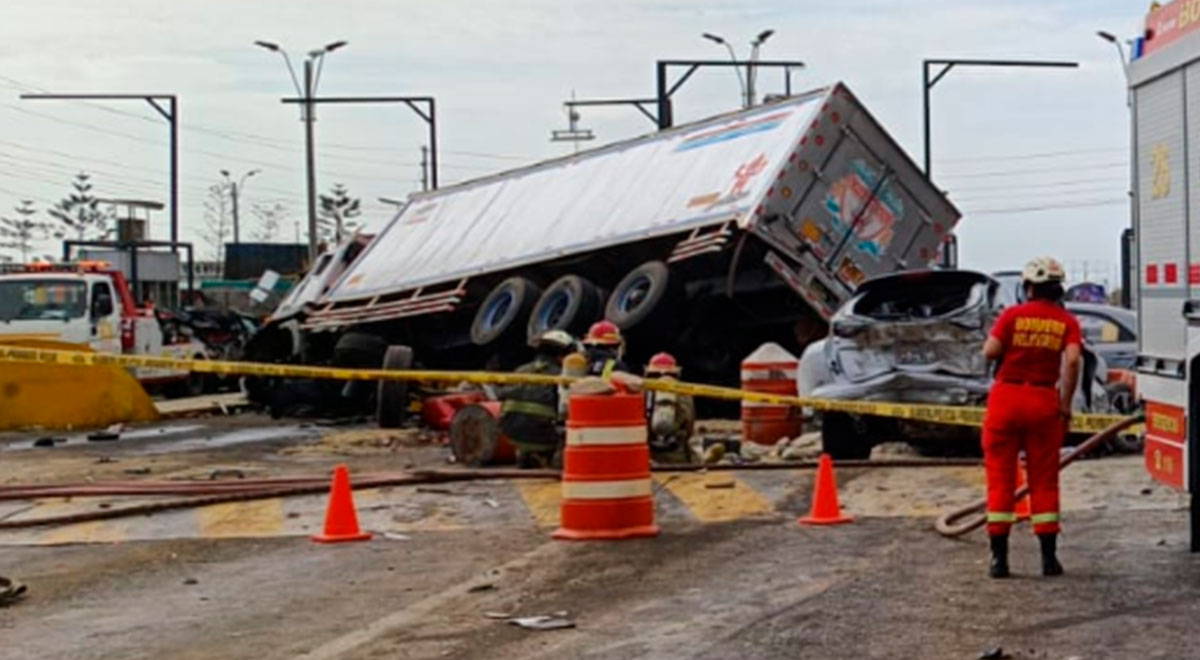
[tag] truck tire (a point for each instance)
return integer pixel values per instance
(845, 437)
(358, 350)
(391, 401)
(501, 313)
(571, 303)
(639, 295)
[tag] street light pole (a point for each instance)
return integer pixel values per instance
(949, 247)
(306, 94)
(1128, 236)
(235, 188)
(721, 41)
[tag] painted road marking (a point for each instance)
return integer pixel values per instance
(242, 519)
(542, 498)
(716, 496)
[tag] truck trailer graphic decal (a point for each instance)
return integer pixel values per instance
(733, 132)
(875, 226)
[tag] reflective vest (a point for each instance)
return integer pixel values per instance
(539, 401)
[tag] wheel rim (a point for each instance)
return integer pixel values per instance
(497, 309)
(554, 310)
(633, 295)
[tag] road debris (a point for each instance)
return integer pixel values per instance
(10, 591)
(111, 433)
(396, 536)
(480, 588)
(994, 653)
(502, 616)
(191, 581)
(543, 622)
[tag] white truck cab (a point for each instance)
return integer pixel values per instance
(90, 304)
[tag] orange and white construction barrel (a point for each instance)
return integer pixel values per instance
(770, 369)
(606, 486)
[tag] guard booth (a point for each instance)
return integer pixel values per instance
(1164, 78)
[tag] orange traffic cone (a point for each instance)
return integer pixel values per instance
(1022, 509)
(341, 520)
(825, 507)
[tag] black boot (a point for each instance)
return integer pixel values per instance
(1050, 565)
(999, 566)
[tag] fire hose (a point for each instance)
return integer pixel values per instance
(949, 526)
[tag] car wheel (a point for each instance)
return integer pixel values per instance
(1121, 398)
(639, 295)
(502, 311)
(845, 436)
(571, 303)
(391, 402)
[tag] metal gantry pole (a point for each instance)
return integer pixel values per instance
(310, 161)
(433, 149)
(174, 119)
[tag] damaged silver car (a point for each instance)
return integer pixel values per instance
(915, 337)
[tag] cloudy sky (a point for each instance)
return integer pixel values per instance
(1036, 159)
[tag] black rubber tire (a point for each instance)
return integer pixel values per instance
(391, 401)
(845, 437)
(517, 295)
(1121, 398)
(570, 303)
(639, 296)
(360, 350)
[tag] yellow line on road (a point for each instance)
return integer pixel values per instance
(542, 498)
(715, 497)
(242, 519)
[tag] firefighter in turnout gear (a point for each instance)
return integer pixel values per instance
(672, 416)
(529, 414)
(1038, 346)
(604, 347)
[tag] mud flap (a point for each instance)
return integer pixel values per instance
(68, 397)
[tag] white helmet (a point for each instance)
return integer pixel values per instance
(1042, 270)
(560, 340)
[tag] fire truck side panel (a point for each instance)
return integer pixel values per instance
(1162, 192)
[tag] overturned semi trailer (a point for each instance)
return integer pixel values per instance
(704, 240)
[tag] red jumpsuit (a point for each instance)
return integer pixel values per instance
(1023, 413)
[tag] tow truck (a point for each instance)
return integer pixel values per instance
(88, 303)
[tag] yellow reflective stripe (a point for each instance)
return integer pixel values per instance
(529, 408)
(605, 490)
(993, 516)
(610, 435)
(1039, 518)
(609, 365)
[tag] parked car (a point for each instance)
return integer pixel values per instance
(917, 337)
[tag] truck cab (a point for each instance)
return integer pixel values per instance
(90, 304)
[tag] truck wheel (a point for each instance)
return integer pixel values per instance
(503, 310)
(571, 303)
(639, 295)
(391, 403)
(1121, 398)
(359, 350)
(845, 437)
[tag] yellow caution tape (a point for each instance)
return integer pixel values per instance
(916, 412)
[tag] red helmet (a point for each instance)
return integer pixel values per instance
(603, 333)
(662, 364)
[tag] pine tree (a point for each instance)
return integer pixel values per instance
(218, 223)
(270, 219)
(19, 233)
(336, 211)
(79, 213)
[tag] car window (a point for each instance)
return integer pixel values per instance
(1099, 330)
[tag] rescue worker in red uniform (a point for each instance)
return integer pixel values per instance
(1029, 408)
(605, 349)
